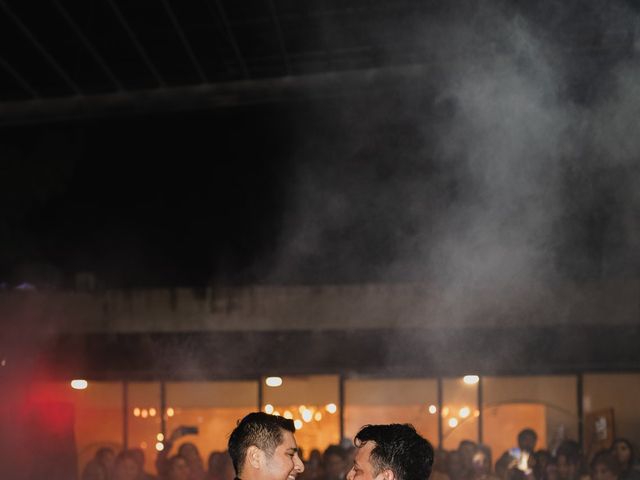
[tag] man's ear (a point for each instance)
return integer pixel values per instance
(255, 457)
(387, 474)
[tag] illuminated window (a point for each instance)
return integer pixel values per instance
(95, 414)
(212, 407)
(619, 393)
(144, 398)
(459, 411)
(380, 401)
(547, 404)
(312, 402)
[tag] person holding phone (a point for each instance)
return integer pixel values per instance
(187, 450)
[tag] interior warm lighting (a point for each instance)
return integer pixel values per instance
(143, 445)
(298, 424)
(453, 422)
(273, 381)
(268, 408)
(471, 379)
(331, 408)
(144, 413)
(160, 437)
(159, 446)
(476, 413)
(445, 411)
(276, 413)
(288, 414)
(318, 416)
(152, 412)
(307, 415)
(79, 384)
(170, 412)
(433, 409)
(465, 412)
(136, 412)
(301, 409)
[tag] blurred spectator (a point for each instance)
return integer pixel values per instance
(481, 464)
(439, 470)
(188, 451)
(520, 455)
(527, 440)
(604, 466)
(138, 454)
(540, 461)
(569, 460)
(101, 466)
(467, 449)
(314, 469)
(334, 459)
(504, 463)
(623, 452)
(126, 466)
(220, 466)
(551, 470)
(178, 468)
(94, 471)
(456, 467)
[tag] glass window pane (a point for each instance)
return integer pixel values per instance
(618, 392)
(144, 419)
(311, 401)
(391, 401)
(213, 407)
(547, 404)
(96, 413)
(459, 411)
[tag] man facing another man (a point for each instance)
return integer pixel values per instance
(263, 447)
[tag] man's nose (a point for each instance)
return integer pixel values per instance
(299, 465)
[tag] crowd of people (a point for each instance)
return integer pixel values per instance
(470, 461)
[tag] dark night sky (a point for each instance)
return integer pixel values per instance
(520, 156)
(196, 198)
(145, 200)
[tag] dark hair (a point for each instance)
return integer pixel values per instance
(104, 451)
(632, 455)
(334, 450)
(398, 448)
(138, 453)
(259, 429)
(171, 462)
(604, 457)
(127, 455)
(486, 450)
(527, 432)
(570, 449)
(463, 443)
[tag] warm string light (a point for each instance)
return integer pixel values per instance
(453, 422)
(301, 414)
(151, 412)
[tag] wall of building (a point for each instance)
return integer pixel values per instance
(264, 308)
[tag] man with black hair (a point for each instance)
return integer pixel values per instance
(391, 452)
(262, 447)
(527, 440)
